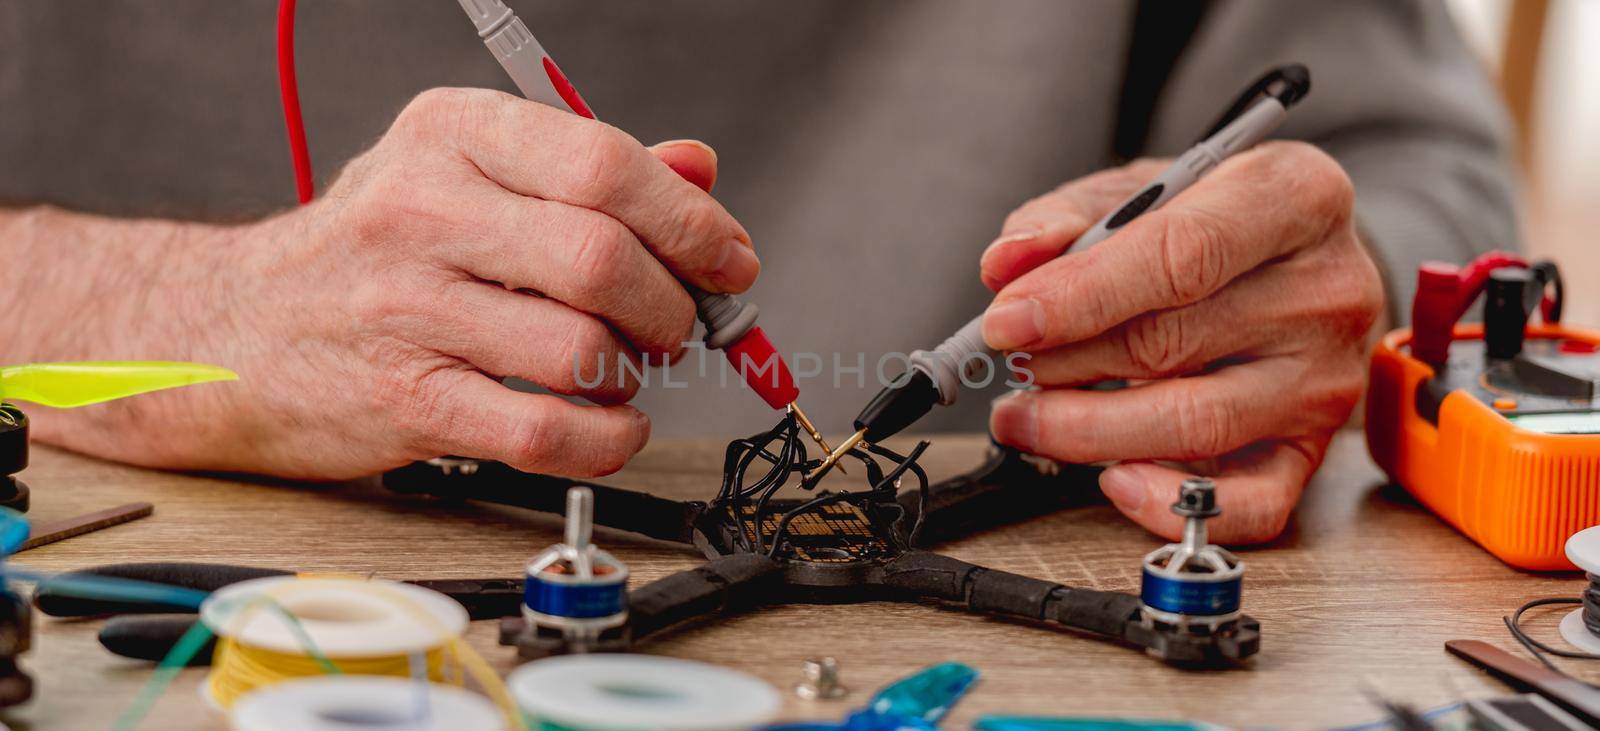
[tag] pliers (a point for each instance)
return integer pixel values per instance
(147, 630)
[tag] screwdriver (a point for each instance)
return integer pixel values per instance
(730, 324)
(935, 377)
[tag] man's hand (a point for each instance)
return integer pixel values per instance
(1239, 310)
(484, 236)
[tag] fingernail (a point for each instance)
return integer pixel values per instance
(688, 143)
(1013, 324)
(1028, 234)
(1015, 420)
(737, 268)
(1122, 488)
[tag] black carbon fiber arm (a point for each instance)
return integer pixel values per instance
(1005, 489)
(727, 584)
(493, 482)
(1111, 614)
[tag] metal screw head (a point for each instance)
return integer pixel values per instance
(821, 680)
(1197, 497)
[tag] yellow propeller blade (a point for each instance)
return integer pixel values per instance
(66, 385)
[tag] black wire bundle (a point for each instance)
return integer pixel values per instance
(1591, 620)
(789, 459)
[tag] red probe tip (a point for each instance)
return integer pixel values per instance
(759, 364)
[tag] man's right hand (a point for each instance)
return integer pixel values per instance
(484, 236)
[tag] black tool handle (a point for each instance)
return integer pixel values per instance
(52, 600)
(726, 584)
(493, 482)
(151, 637)
(1578, 698)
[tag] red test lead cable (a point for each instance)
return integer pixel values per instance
(730, 324)
(289, 90)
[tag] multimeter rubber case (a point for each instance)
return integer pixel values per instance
(1494, 427)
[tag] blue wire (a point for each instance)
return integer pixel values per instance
(14, 531)
(108, 588)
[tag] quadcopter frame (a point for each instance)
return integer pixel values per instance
(837, 547)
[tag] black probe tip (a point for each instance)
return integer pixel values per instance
(898, 406)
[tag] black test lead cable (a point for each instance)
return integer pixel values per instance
(936, 376)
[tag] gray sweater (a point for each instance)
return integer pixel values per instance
(871, 148)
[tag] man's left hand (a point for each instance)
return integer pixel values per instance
(1239, 311)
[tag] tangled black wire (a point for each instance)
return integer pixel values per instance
(1591, 620)
(790, 459)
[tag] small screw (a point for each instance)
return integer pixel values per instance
(821, 681)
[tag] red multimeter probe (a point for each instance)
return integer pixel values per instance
(730, 324)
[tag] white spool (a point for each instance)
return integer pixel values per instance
(1583, 550)
(346, 618)
(364, 703)
(636, 692)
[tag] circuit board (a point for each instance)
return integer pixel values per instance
(836, 533)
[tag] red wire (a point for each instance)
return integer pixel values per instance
(289, 89)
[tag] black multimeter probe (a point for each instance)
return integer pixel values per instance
(936, 376)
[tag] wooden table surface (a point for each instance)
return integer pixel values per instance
(1360, 594)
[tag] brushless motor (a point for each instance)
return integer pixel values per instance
(575, 589)
(1192, 584)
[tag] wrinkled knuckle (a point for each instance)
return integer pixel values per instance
(599, 254)
(388, 207)
(533, 443)
(676, 329)
(703, 233)
(1354, 291)
(432, 109)
(602, 158)
(1327, 187)
(1205, 429)
(587, 347)
(415, 404)
(1194, 256)
(1156, 345)
(1348, 382)
(1371, 299)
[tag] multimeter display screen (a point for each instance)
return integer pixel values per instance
(1569, 423)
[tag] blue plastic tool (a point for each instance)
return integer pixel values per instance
(914, 703)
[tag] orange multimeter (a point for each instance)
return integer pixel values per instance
(1495, 427)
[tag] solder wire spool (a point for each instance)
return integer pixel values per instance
(619, 692)
(356, 627)
(1581, 627)
(1192, 583)
(364, 703)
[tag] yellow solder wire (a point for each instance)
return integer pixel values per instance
(239, 668)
